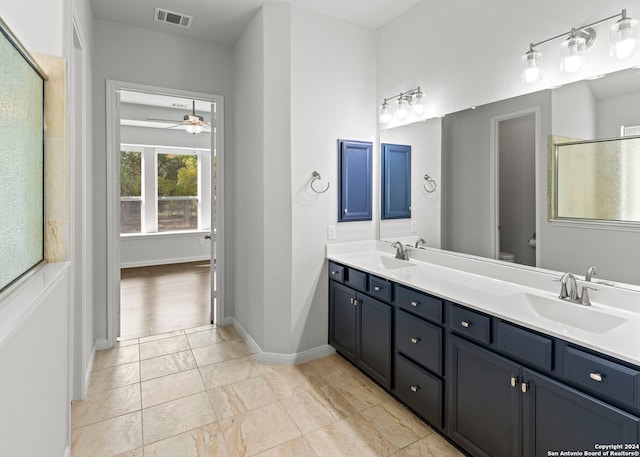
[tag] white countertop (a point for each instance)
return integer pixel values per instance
(610, 325)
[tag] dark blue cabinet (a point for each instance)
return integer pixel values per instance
(360, 329)
(396, 181)
(354, 190)
(557, 417)
(484, 404)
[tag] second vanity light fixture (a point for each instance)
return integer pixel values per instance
(624, 43)
(412, 99)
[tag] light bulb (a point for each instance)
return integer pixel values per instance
(572, 53)
(624, 37)
(194, 128)
(385, 113)
(532, 66)
(418, 102)
(403, 105)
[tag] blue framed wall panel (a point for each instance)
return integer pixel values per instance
(396, 181)
(355, 176)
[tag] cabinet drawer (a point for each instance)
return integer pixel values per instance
(602, 376)
(419, 390)
(470, 323)
(525, 345)
(336, 272)
(420, 341)
(421, 304)
(380, 288)
(356, 279)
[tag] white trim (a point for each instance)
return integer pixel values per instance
(150, 263)
(67, 451)
(88, 371)
(102, 344)
(275, 358)
(494, 173)
(113, 88)
(593, 224)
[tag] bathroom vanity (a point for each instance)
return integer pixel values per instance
(493, 360)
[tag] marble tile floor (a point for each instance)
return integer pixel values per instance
(201, 392)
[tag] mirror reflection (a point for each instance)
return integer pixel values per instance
(494, 189)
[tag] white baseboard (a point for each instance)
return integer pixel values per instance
(88, 370)
(101, 345)
(275, 358)
(67, 451)
(151, 263)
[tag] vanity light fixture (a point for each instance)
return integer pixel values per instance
(412, 99)
(624, 43)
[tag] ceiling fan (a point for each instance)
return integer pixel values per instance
(192, 123)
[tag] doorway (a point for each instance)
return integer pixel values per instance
(515, 186)
(165, 190)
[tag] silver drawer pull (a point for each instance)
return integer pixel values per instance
(415, 303)
(334, 272)
(415, 388)
(596, 376)
(377, 288)
(415, 340)
(465, 324)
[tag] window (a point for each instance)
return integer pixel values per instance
(164, 189)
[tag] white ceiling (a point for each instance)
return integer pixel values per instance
(223, 21)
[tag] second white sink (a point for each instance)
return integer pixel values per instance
(570, 314)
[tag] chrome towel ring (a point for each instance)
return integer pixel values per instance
(431, 182)
(316, 177)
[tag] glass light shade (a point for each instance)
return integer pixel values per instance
(572, 53)
(385, 113)
(403, 107)
(418, 102)
(532, 66)
(194, 128)
(624, 38)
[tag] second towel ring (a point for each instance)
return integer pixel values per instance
(432, 184)
(316, 177)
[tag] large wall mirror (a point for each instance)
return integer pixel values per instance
(511, 144)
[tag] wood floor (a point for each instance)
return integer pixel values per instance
(164, 298)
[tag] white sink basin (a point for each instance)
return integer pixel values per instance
(563, 312)
(382, 261)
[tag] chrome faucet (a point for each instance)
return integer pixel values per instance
(572, 294)
(401, 253)
(419, 242)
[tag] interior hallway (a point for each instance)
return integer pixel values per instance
(201, 392)
(163, 298)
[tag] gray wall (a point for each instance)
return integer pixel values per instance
(466, 171)
(140, 56)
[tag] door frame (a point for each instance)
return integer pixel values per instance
(494, 175)
(113, 87)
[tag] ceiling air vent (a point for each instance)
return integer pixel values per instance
(172, 17)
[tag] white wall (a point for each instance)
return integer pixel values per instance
(249, 157)
(425, 139)
(43, 32)
(140, 56)
(574, 111)
(465, 54)
(161, 249)
(614, 112)
(333, 66)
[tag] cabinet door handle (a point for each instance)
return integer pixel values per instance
(415, 303)
(514, 381)
(377, 288)
(465, 324)
(415, 388)
(345, 211)
(334, 272)
(596, 376)
(415, 340)
(524, 387)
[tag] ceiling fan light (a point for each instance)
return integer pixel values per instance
(194, 128)
(624, 37)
